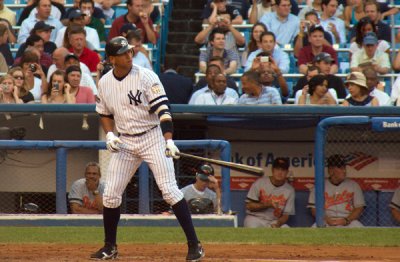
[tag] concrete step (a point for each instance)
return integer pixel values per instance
(182, 59)
(190, 25)
(181, 37)
(192, 4)
(187, 49)
(188, 71)
(186, 14)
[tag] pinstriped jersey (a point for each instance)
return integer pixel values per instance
(131, 101)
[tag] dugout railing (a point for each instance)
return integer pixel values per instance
(364, 142)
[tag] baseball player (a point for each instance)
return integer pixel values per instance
(395, 205)
(344, 200)
(270, 200)
(132, 98)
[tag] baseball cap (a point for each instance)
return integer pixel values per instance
(281, 162)
(323, 57)
(336, 161)
(117, 46)
(42, 26)
(314, 28)
(370, 39)
(75, 14)
(357, 78)
(127, 27)
(204, 172)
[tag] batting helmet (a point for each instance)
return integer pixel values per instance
(117, 46)
(204, 172)
(201, 206)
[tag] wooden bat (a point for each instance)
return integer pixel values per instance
(239, 167)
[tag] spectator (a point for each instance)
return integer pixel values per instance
(317, 92)
(372, 84)
(87, 8)
(76, 18)
(211, 72)
(35, 41)
(353, 13)
(363, 27)
(178, 88)
(7, 14)
(35, 77)
(206, 186)
(254, 93)
(77, 42)
(333, 25)
(139, 58)
(301, 40)
(217, 41)
(216, 8)
(314, 6)
(57, 10)
(128, 28)
(106, 8)
(6, 37)
(136, 16)
(270, 200)
(85, 196)
(302, 83)
(218, 61)
(344, 200)
(42, 30)
(255, 42)
(8, 91)
(152, 11)
(216, 94)
(58, 92)
(19, 78)
(98, 13)
(82, 94)
(86, 78)
(258, 9)
(317, 46)
(370, 56)
(282, 23)
(359, 92)
(395, 205)
(43, 14)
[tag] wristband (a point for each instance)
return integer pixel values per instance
(167, 127)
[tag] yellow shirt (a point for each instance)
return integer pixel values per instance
(9, 15)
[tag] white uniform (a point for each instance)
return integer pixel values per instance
(282, 198)
(80, 194)
(340, 200)
(132, 101)
(190, 192)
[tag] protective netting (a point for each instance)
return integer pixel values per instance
(372, 160)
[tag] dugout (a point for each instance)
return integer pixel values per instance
(256, 134)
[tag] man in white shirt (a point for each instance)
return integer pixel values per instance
(139, 58)
(372, 83)
(332, 24)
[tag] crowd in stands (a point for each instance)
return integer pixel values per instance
(287, 37)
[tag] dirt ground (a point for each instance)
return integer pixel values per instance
(214, 252)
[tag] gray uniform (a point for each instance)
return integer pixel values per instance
(395, 203)
(189, 192)
(340, 200)
(282, 198)
(81, 195)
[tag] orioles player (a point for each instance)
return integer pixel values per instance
(133, 99)
(344, 200)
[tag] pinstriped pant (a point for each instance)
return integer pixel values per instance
(150, 148)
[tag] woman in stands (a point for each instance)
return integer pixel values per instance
(356, 83)
(8, 91)
(255, 42)
(58, 92)
(318, 92)
(353, 12)
(364, 26)
(19, 78)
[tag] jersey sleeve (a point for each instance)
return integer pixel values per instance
(76, 194)
(289, 207)
(101, 107)
(254, 192)
(395, 203)
(154, 90)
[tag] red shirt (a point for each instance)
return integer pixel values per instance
(89, 58)
(84, 95)
(120, 21)
(306, 55)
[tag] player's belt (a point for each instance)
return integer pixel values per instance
(139, 134)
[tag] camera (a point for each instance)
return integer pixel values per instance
(32, 67)
(264, 59)
(56, 86)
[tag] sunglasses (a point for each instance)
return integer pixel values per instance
(19, 77)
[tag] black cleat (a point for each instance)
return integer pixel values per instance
(108, 252)
(196, 252)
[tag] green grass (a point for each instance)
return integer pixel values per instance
(289, 236)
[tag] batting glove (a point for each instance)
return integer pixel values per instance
(171, 150)
(113, 142)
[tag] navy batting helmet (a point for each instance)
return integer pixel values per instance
(204, 172)
(117, 46)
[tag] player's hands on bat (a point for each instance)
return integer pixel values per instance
(113, 142)
(171, 149)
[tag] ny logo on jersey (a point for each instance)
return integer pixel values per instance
(135, 98)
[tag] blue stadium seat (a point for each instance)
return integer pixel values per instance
(293, 64)
(385, 217)
(120, 10)
(369, 215)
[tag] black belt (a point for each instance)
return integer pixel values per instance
(139, 134)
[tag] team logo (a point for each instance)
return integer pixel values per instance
(124, 42)
(156, 89)
(135, 98)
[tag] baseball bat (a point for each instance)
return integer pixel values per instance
(235, 166)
